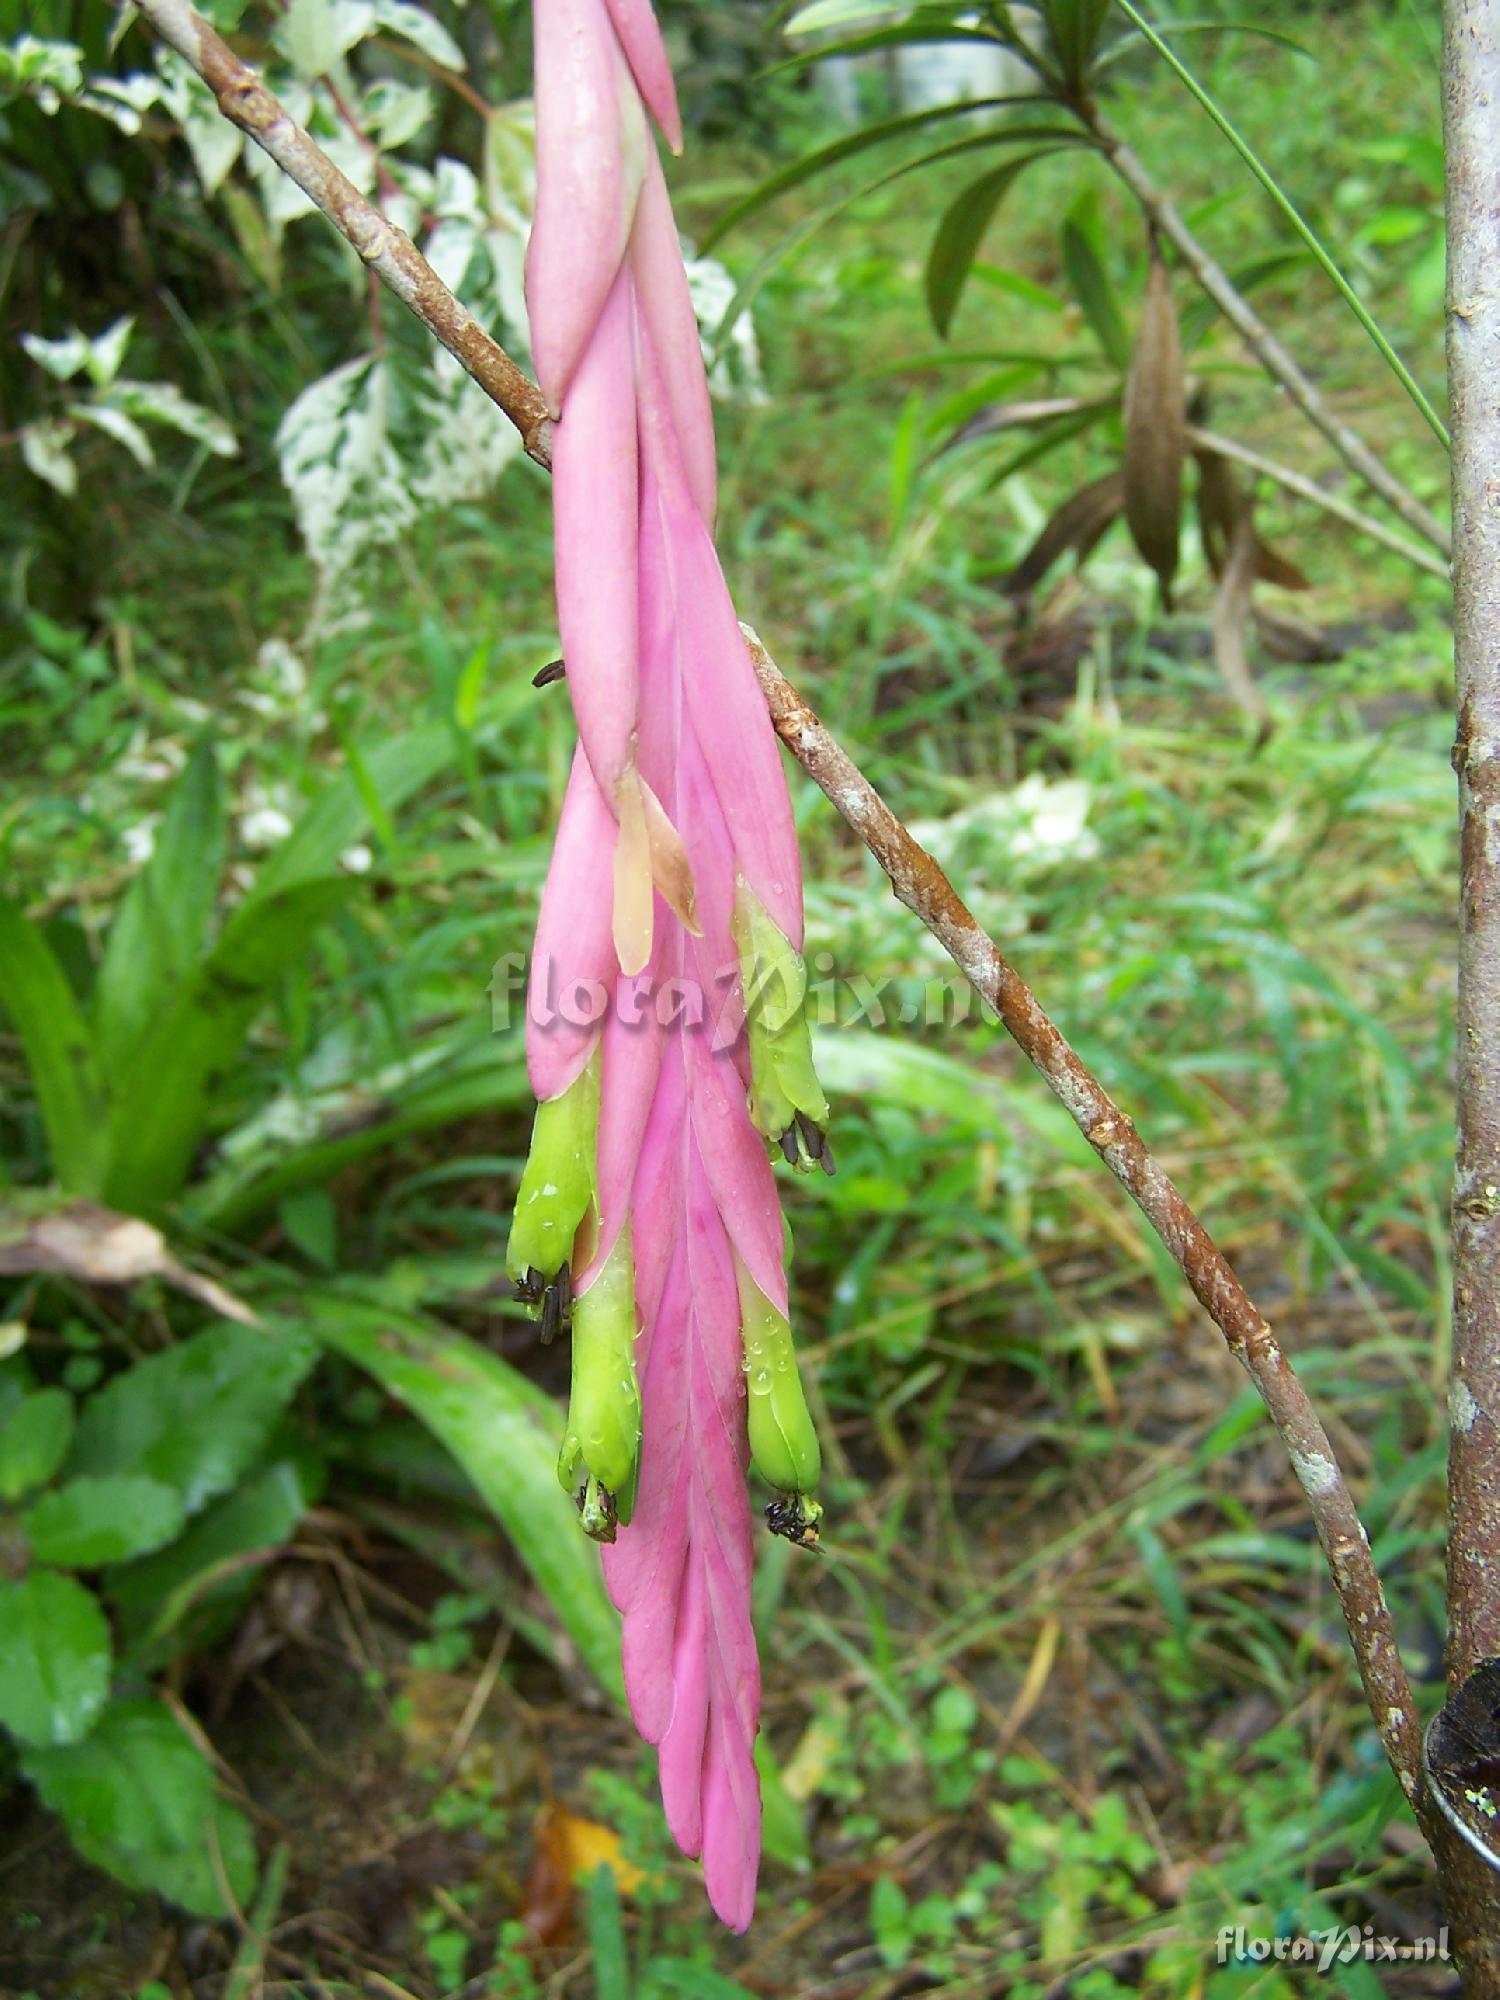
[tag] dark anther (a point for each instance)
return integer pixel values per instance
(528, 1290)
(553, 671)
(554, 1296)
(815, 1144)
(557, 1305)
(788, 1144)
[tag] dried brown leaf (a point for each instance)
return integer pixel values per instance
(1077, 525)
(1273, 567)
(94, 1246)
(1220, 505)
(1231, 616)
(1156, 431)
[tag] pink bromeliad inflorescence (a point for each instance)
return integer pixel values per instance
(648, 1216)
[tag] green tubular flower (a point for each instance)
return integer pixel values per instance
(783, 1441)
(557, 1187)
(600, 1452)
(787, 1103)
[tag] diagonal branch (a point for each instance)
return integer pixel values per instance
(919, 883)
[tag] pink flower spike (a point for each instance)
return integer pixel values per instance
(591, 148)
(640, 38)
(668, 322)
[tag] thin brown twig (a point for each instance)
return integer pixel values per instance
(922, 886)
(1263, 344)
(389, 251)
(1309, 490)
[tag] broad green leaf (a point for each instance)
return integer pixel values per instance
(959, 235)
(64, 1071)
(1084, 264)
(505, 1432)
(55, 1658)
(138, 1799)
(34, 1441)
(186, 1595)
(159, 1114)
(158, 935)
(856, 1062)
(197, 1415)
(93, 1521)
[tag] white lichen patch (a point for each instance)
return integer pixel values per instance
(1462, 1408)
(1318, 1474)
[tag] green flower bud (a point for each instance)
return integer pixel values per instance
(557, 1187)
(783, 1442)
(601, 1448)
(787, 1103)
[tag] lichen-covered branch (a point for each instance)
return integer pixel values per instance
(387, 250)
(922, 887)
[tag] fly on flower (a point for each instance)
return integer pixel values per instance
(648, 1216)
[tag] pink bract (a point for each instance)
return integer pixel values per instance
(677, 797)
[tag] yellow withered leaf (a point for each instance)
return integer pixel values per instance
(1156, 430)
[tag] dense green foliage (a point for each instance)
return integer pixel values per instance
(1069, 1692)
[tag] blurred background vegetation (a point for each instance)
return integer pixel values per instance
(309, 1681)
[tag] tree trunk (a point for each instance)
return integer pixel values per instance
(1471, 130)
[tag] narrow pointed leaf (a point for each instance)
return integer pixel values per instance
(1093, 290)
(812, 164)
(958, 237)
(60, 1054)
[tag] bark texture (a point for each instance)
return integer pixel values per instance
(1471, 135)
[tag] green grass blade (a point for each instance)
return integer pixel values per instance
(35, 992)
(1294, 216)
(161, 1106)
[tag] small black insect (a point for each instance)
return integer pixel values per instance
(785, 1517)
